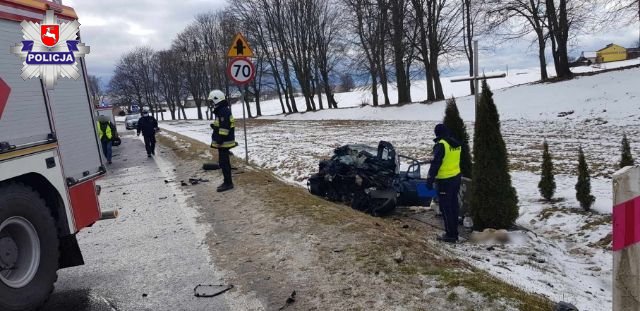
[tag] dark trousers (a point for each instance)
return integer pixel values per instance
(448, 198)
(225, 164)
(150, 143)
(106, 149)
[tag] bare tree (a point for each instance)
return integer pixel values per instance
(171, 84)
(565, 18)
(473, 17)
(523, 17)
(628, 10)
(96, 90)
(369, 22)
(439, 28)
(192, 58)
(398, 10)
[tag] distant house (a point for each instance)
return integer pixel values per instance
(611, 53)
(589, 56)
(633, 53)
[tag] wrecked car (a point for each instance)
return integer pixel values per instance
(370, 180)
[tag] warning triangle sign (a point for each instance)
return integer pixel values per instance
(240, 47)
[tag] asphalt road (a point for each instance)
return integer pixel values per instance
(151, 257)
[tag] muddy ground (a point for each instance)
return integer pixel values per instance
(273, 240)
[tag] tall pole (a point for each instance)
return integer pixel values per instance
(476, 76)
(244, 125)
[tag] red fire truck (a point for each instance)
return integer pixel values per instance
(50, 158)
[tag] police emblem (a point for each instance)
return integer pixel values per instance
(50, 50)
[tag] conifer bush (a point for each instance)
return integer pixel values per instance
(493, 199)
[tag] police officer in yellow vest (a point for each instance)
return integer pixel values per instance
(223, 136)
(445, 172)
(106, 134)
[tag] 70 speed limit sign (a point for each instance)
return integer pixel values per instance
(241, 70)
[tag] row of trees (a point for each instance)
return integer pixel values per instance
(547, 184)
(494, 200)
(303, 47)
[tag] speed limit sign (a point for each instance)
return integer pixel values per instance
(241, 70)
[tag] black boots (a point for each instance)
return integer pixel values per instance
(446, 239)
(224, 187)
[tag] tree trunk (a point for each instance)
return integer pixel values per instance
(468, 29)
(331, 101)
(397, 21)
(374, 87)
(435, 75)
(543, 60)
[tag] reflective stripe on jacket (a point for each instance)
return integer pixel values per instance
(451, 162)
(104, 128)
(223, 128)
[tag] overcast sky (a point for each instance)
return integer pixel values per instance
(113, 27)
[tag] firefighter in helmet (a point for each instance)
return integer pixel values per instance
(223, 137)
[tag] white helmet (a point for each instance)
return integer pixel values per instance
(216, 96)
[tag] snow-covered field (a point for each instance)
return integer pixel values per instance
(418, 92)
(566, 252)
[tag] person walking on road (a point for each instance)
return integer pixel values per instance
(148, 125)
(445, 172)
(106, 133)
(223, 137)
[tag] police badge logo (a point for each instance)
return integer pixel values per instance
(50, 50)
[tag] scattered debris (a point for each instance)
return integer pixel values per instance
(124, 193)
(195, 181)
(208, 291)
(564, 306)
(398, 257)
(289, 301)
(565, 113)
(183, 184)
(405, 226)
(163, 198)
(210, 166)
(144, 295)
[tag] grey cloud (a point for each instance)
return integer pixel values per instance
(113, 27)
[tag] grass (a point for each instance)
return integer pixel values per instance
(371, 242)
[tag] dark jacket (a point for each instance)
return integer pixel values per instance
(147, 125)
(438, 154)
(223, 127)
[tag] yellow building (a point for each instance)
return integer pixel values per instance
(611, 53)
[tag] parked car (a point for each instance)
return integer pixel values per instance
(131, 121)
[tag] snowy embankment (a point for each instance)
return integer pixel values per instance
(351, 103)
(565, 252)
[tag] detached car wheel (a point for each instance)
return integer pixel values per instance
(28, 249)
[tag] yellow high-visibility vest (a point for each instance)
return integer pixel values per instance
(101, 133)
(451, 162)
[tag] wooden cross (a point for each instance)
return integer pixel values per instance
(476, 75)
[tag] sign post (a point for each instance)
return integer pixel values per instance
(241, 71)
(626, 238)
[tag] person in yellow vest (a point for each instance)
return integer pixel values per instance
(445, 172)
(106, 134)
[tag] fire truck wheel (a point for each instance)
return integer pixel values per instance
(29, 244)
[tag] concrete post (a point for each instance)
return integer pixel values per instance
(626, 235)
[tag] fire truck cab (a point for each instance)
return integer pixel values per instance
(50, 158)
